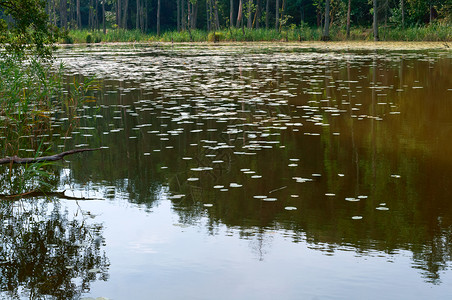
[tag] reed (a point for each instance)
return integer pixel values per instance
(32, 93)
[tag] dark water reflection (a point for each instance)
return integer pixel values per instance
(46, 252)
(336, 151)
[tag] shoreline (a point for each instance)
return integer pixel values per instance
(330, 45)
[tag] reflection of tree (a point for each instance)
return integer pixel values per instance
(433, 257)
(45, 253)
(24, 178)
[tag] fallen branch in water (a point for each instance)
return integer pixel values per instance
(18, 160)
(38, 193)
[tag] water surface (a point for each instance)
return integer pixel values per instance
(250, 172)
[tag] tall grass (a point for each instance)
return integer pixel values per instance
(432, 32)
(32, 93)
(27, 92)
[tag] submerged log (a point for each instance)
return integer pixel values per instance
(18, 160)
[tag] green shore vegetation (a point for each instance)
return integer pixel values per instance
(434, 33)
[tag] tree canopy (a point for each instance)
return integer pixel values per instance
(24, 27)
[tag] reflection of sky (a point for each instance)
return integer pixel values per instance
(154, 257)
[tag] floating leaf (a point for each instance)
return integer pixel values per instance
(382, 208)
(290, 208)
(351, 199)
(269, 199)
(235, 185)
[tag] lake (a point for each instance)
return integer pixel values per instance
(245, 172)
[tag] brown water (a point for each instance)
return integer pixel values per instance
(248, 172)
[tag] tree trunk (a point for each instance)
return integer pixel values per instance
(302, 14)
(194, 15)
(208, 14)
(183, 14)
(282, 13)
(79, 18)
(63, 14)
(431, 12)
(90, 15)
(124, 17)
(188, 15)
(146, 17)
(375, 25)
(267, 12)
(158, 18)
(326, 31)
(249, 18)
(142, 17)
(386, 12)
(178, 14)
(402, 8)
(217, 19)
(349, 9)
(239, 14)
(137, 21)
(104, 26)
(54, 14)
(277, 14)
(231, 13)
(118, 13)
(257, 14)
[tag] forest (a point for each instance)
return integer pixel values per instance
(157, 16)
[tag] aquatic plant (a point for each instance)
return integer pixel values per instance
(32, 93)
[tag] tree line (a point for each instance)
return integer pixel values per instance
(157, 15)
(211, 15)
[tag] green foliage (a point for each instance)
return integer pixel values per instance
(89, 39)
(290, 33)
(25, 27)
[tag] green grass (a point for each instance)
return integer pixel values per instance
(433, 32)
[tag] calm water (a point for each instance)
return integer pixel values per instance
(246, 172)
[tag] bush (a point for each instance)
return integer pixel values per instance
(215, 37)
(89, 39)
(68, 39)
